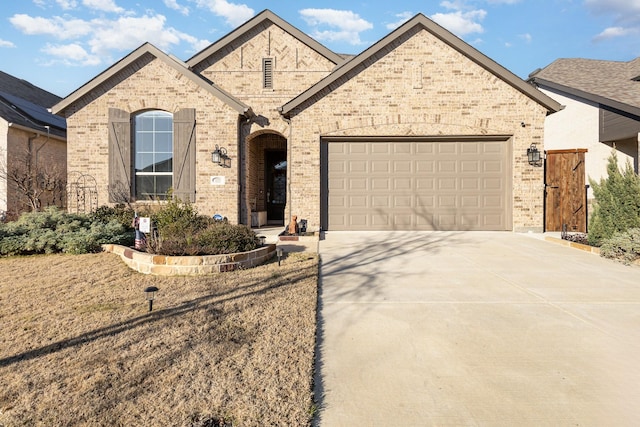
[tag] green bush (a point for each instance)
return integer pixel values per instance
(622, 246)
(224, 238)
(181, 231)
(52, 231)
(617, 203)
(121, 213)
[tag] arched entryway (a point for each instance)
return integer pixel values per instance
(266, 178)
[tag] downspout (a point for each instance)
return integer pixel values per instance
(42, 146)
(289, 198)
(243, 120)
(241, 166)
(30, 167)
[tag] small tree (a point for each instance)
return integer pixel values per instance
(617, 202)
(36, 184)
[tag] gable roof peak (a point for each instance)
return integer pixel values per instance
(634, 69)
(264, 16)
(170, 60)
(443, 35)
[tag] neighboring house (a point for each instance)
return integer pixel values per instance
(601, 112)
(32, 148)
(419, 131)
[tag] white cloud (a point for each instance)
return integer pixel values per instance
(127, 33)
(402, 18)
(57, 27)
(348, 24)
(455, 4)
(96, 40)
(613, 32)
(625, 13)
(526, 37)
(196, 44)
(234, 14)
(465, 18)
(71, 54)
(67, 4)
(103, 5)
(503, 1)
(461, 23)
(173, 4)
(6, 43)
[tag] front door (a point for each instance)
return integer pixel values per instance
(276, 185)
(565, 191)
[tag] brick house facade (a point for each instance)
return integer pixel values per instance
(419, 131)
(32, 149)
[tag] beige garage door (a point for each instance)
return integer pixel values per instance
(445, 184)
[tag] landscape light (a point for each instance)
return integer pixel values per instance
(150, 293)
(280, 253)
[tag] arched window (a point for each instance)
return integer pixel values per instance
(153, 145)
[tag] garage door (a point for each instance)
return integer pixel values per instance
(419, 184)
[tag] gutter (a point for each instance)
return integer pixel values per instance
(38, 132)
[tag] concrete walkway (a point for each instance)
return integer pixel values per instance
(475, 329)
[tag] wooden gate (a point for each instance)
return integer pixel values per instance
(565, 191)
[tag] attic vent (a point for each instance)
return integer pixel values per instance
(267, 73)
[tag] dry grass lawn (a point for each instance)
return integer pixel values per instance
(78, 346)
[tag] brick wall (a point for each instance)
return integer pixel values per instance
(151, 84)
(416, 86)
(238, 69)
(419, 86)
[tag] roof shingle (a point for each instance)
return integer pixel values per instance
(26, 105)
(614, 80)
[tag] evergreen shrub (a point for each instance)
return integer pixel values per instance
(622, 246)
(617, 202)
(52, 231)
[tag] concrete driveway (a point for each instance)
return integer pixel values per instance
(474, 329)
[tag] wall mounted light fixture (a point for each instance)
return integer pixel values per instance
(534, 156)
(219, 156)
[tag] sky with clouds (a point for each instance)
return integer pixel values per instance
(60, 45)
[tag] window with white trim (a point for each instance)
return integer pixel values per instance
(153, 145)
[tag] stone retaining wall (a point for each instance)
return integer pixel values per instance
(162, 265)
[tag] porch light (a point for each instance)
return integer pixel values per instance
(219, 156)
(534, 156)
(150, 293)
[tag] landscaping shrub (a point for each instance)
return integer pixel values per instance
(224, 238)
(617, 202)
(53, 230)
(623, 246)
(121, 213)
(180, 230)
